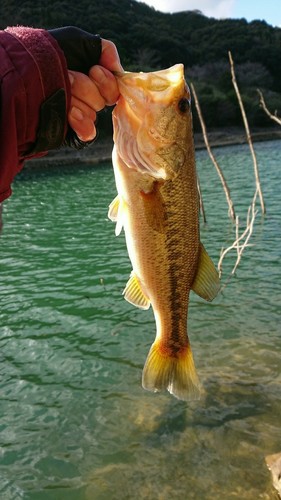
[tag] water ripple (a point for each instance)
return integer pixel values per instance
(74, 420)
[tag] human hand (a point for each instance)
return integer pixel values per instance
(90, 94)
(90, 61)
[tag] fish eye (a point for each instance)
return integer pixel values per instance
(184, 105)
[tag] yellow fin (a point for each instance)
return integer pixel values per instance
(113, 209)
(115, 213)
(206, 283)
(177, 373)
(134, 294)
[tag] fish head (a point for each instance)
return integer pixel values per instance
(153, 122)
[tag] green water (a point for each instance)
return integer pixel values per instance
(74, 421)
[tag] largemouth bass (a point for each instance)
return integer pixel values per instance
(157, 205)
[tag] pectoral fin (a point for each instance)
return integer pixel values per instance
(113, 209)
(206, 283)
(134, 294)
(154, 207)
(116, 213)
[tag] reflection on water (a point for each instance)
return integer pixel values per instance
(74, 420)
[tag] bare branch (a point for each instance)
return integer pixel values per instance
(248, 135)
(241, 242)
(231, 210)
(266, 110)
(242, 236)
(201, 203)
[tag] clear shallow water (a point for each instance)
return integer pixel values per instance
(74, 420)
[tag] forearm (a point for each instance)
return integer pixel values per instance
(34, 86)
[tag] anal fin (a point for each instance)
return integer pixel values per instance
(134, 294)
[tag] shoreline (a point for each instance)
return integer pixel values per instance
(100, 151)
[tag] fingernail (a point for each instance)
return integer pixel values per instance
(76, 114)
(87, 138)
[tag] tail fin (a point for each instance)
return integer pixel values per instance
(177, 374)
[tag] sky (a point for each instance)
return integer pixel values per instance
(267, 10)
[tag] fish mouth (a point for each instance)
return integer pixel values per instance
(140, 90)
(158, 79)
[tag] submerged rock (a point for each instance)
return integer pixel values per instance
(273, 462)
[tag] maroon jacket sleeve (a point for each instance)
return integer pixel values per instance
(34, 99)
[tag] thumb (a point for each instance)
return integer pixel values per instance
(109, 58)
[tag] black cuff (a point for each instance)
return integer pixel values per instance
(82, 50)
(50, 133)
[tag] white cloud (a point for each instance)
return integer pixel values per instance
(211, 8)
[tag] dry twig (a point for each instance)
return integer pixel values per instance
(231, 210)
(241, 242)
(201, 203)
(248, 135)
(266, 110)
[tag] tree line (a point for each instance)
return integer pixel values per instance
(148, 40)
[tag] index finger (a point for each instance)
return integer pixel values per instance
(106, 83)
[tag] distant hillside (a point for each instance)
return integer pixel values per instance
(148, 39)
